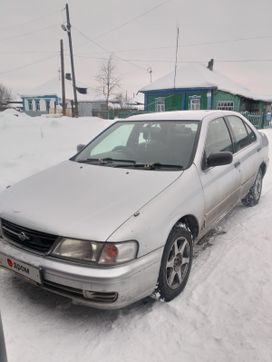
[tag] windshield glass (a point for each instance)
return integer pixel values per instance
(147, 144)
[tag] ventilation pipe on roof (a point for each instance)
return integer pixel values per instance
(210, 65)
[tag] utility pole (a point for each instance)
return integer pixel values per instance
(62, 78)
(68, 30)
(176, 60)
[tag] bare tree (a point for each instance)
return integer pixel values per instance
(5, 96)
(121, 99)
(108, 79)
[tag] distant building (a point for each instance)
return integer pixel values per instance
(47, 99)
(200, 87)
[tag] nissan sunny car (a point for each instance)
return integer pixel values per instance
(118, 221)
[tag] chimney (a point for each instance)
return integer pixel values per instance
(210, 65)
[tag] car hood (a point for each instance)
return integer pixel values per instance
(81, 200)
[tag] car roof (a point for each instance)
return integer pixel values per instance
(179, 115)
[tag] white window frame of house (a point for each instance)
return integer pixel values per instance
(160, 104)
(194, 103)
(225, 105)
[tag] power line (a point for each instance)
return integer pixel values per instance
(28, 65)
(29, 52)
(108, 51)
(127, 22)
(27, 34)
(183, 61)
(27, 22)
(227, 41)
(245, 61)
(195, 44)
(132, 19)
(143, 49)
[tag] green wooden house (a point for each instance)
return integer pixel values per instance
(200, 87)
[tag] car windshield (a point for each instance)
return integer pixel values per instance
(143, 144)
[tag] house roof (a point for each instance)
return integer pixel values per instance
(53, 87)
(198, 76)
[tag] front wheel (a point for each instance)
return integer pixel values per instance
(254, 194)
(176, 263)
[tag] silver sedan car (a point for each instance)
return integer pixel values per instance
(118, 221)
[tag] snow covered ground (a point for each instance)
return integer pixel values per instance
(224, 314)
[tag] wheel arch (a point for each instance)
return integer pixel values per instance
(190, 222)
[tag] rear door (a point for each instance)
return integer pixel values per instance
(246, 152)
(221, 184)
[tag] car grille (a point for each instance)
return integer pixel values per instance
(27, 238)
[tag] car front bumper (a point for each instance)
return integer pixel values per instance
(99, 287)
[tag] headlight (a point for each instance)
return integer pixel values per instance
(78, 249)
(101, 253)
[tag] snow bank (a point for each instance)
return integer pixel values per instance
(224, 314)
(30, 144)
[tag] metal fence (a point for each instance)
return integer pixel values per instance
(259, 120)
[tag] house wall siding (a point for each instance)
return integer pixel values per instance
(224, 96)
(172, 101)
(176, 100)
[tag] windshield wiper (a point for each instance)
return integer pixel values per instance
(154, 166)
(109, 159)
(105, 161)
(131, 164)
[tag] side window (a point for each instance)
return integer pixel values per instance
(218, 137)
(240, 133)
(251, 134)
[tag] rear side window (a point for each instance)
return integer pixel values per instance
(218, 137)
(239, 131)
(251, 134)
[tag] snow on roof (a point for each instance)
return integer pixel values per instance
(198, 76)
(137, 99)
(53, 87)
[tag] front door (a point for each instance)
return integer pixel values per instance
(221, 184)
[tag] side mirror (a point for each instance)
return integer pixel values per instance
(80, 147)
(219, 159)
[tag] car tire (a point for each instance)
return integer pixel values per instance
(254, 194)
(176, 263)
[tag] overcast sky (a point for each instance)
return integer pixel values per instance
(141, 34)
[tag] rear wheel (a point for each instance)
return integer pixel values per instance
(254, 194)
(176, 263)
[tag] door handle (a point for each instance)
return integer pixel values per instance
(237, 164)
(259, 149)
